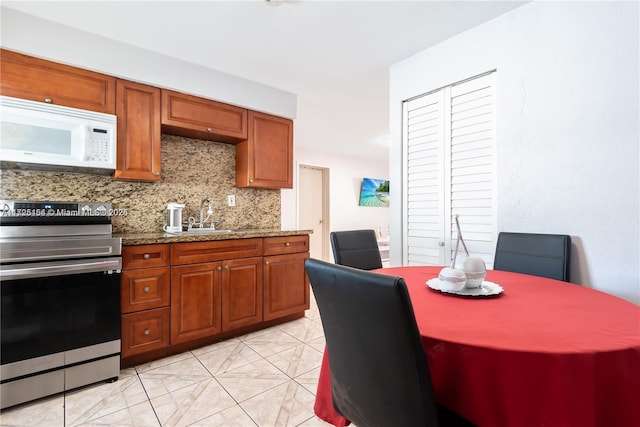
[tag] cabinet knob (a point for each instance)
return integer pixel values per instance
(219, 268)
(146, 256)
(147, 332)
(157, 173)
(287, 244)
(48, 100)
(266, 262)
(147, 289)
(226, 267)
(251, 180)
(208, 129)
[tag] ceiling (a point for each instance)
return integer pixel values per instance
(334, 55)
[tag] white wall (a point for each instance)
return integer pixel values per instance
(567, 128)
(346, 173)
(37, 37)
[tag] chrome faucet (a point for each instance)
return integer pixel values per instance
(209, 213)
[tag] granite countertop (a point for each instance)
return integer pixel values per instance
(131, 239)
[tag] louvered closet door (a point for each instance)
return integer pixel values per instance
(472, 150)
(423, 187)
(449, 155)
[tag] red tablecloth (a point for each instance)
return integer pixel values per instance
(544, 353)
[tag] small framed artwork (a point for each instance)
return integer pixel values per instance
(374, 192)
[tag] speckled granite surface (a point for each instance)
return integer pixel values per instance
(192, 170)
(154, 238)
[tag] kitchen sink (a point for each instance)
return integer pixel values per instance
(202, 231)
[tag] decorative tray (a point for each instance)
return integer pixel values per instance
(486, 290)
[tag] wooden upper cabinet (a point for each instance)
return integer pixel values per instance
(138, 111)
(37, 79)
(195, 117)
(265, 159)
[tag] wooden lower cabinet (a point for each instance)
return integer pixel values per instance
(144, 289)
(196, 300)
(286, 286)
(144, 298)
(241, 293)
(145, 331)
(183, 295)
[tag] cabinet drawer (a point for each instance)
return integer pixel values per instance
(36, 79)
(201, 118)
(197, 252)
(145, 331)
(143, 256)
(285, 245)
(144, 289)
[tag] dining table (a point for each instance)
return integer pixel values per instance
(530, 352)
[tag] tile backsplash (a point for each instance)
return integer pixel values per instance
(192, 170)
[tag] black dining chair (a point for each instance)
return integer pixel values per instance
(356, 248)
(379, 369)
(545, 255)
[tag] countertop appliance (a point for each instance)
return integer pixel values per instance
(37, 135)
(60, 298)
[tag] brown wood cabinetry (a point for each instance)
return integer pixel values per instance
(241, 293)
(145, 256)
(145, 298)
(210, 297)
(145, 331)
(264, 151)
(138, 111)
(286, 286)
(183, 295)
(195, 117)
(37, 79)
(195, 301)
(265, 159)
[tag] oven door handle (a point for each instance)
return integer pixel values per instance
(60, 268)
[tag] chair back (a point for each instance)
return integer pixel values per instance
(379, 371)
(356, 248)
(545, 255)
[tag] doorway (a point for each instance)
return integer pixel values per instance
(313, 208)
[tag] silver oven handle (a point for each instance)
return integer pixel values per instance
(60, 268)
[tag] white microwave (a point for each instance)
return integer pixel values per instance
(35, 135)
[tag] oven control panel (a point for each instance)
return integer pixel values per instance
(24, 208)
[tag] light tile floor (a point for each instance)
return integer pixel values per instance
(267, 378)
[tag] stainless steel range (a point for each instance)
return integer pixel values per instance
(60, 298)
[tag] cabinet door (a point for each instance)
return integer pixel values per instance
(195, 301)
(242, 292)
(138, 111)
(286, 286)
(201, 118)
(37, 79)
(265, 159)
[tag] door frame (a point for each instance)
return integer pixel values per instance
(326, 216)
